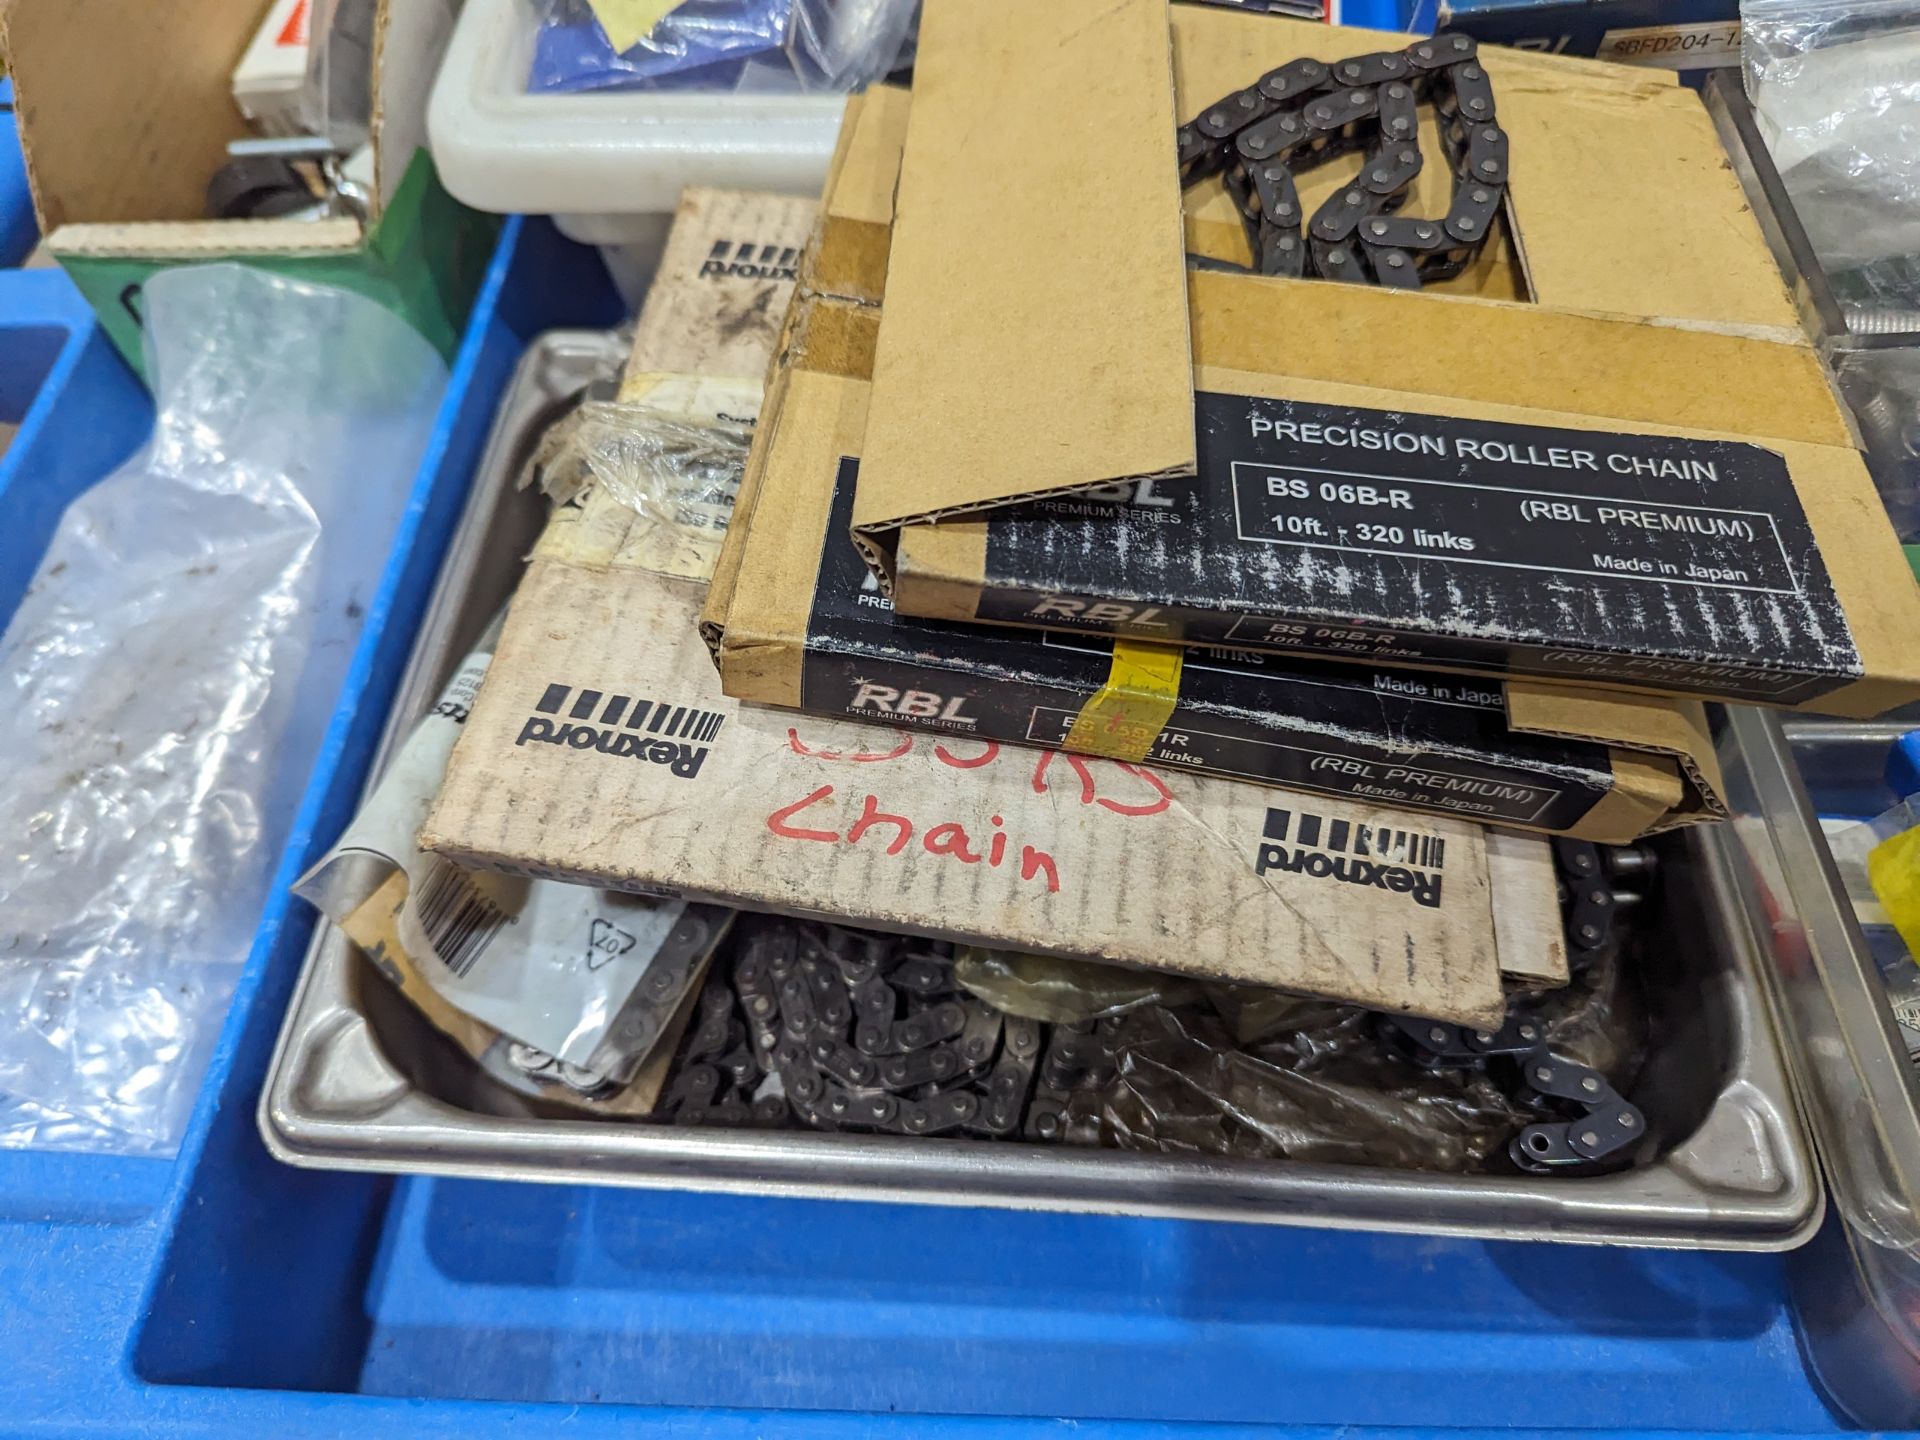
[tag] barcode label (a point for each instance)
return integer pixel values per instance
(458, 920)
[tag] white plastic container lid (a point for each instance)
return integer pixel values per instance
(600, 156)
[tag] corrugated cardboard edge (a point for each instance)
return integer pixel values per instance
(410, 39)
(125, 107)
(971, 155)
(1532, 948)
(755, 618)
(846, 259)
(1677, 730)
(726, 568)
(204, 239)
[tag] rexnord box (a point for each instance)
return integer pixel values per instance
(796, 619)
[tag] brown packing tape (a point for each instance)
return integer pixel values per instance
(1610, 368)
(726, 567)
(1012, 225)
(1677, 729)
(816, 412)
(820, 336)
(1645, 790)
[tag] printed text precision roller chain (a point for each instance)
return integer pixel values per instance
(1306, 112)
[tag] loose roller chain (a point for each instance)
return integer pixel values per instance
(1305, 113)
(844, 1030)
(1590, 1125)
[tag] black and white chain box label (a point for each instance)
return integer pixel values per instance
(1439, 540)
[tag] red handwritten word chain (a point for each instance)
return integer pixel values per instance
(950, 839)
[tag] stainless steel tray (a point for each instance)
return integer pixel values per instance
(361, 1082)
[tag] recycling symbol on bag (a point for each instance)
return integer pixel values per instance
(605, 943)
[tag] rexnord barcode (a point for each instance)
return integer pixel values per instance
(1408, 847)
(1405, 862)
(675, 722)
(626, 727)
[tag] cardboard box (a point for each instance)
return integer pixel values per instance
(125, 112)
(601, 750)
(1641, 479)
(796, 620)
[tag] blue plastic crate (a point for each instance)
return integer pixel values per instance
(78, 408)
(227, 1294)
(19, 231)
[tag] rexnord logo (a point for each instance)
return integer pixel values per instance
(745, 260)
(1402, 861)
(654, 731)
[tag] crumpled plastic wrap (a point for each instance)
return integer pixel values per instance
(1882, 387)
(172, 671)
(1836, 91)
(1063, 991)
(674, 468)
(1315, 1082)
(740, 46)
(660, 469)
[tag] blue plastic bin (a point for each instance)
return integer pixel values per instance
(19, 231)
(226, 1294)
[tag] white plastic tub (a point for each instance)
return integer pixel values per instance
(608, 166)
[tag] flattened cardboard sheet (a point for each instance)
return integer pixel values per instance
(1038, 188)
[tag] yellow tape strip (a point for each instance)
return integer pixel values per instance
(1123, 720)
(1893, 869)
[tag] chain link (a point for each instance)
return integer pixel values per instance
(841, 1029)
(1306, 113)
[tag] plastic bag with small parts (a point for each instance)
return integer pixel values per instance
(173, 669)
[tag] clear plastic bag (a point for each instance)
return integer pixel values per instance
(1063, 991)
(668, 463)
(1882, 388)
(720, 45)
(1836, 89)
(337, 99)
(1258, 1073)
(173, 669)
